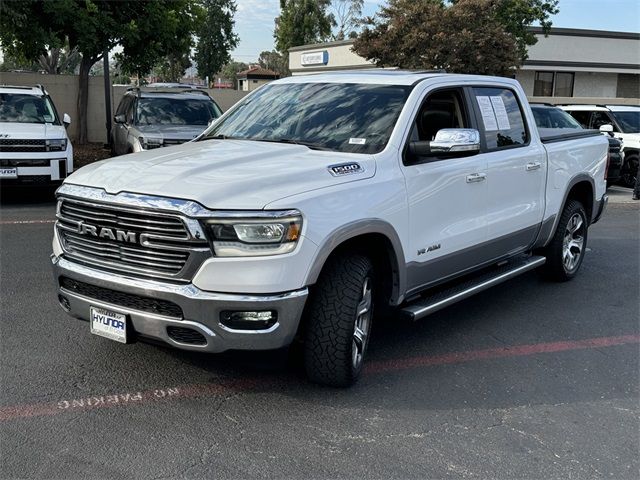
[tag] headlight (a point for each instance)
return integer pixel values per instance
(148, 143)
(58, 145)
(251, 237)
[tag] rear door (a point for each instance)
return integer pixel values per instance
(517, 170)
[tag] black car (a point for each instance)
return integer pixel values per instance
(550, 116)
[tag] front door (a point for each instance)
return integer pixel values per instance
(447, 197)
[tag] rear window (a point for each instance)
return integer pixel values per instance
(550, 117)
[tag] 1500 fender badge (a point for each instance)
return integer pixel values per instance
(345, 169)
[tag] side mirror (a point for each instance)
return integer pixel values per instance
(66, 119)
(606, 129)
(119, 118)
(464, 141)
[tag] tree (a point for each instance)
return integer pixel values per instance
(302, 22)
(215, 37)
(464, 37)
(274, 61)
(60, 60)
(145, 30)
(230, 71)
(172, 67)
(347, 15)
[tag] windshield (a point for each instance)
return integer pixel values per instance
(21, 108)
(550, 117)
(629, 122)
(175, 111)
(355, 118)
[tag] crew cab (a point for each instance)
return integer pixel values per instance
(34, 146)
(317, 201)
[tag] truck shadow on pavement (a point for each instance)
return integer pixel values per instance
(27, 195)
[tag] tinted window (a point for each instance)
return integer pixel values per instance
(583, 117)
(543, 84)
(175, 111)
(355, 118)
(601, 118)
(20, 108)
(501, 118)
(564, 84)
(629, 121)
(550, 117)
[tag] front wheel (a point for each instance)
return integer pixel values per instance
(629, 172)
(566, 251)
(339, 321)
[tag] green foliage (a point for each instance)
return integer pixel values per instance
(347, 15)
(465, 36)
(275, 62)
(215, 36)
(302, 22)
(230, 71)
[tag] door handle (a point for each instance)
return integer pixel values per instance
(476, 177)
(533, 166)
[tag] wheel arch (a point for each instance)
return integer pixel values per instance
(374, 237)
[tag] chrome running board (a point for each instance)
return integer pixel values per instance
(442, 298)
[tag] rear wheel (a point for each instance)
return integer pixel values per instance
(629, 171)
(339, 321)
(566, 251)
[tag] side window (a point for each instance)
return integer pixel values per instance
(442, 109)
(601, 118)
(582, 116)
(501, 118)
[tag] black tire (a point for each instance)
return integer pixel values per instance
(330, 350)
(563, 259)
(629, 172)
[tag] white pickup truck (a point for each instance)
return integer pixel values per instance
(318, 200)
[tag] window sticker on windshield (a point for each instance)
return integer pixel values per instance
(488, 116)
(357, 141)
(501, 113)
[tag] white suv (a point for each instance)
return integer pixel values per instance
(625, 121)
(34, 146)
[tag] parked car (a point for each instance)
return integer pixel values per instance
(626, 126)
(317, 201)
(551, 116)
(153, 118)
(34, 146)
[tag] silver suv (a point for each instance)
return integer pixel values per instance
(152, 118)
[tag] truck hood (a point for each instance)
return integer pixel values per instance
(223, 174)
(171, 132)
(32, 131)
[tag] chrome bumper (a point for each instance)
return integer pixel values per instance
(201, 310)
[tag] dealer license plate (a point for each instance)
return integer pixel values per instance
(108, 324)
(8, 173)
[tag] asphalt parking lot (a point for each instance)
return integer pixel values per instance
(527, 380)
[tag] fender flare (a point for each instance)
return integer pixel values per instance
(362, 227)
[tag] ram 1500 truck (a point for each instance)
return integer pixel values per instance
(315, 202)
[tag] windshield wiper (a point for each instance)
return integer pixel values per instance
(312, 146)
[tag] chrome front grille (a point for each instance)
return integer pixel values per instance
(130, 240)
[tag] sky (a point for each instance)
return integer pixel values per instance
(255, 20)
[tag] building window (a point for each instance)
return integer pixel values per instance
(543, 85)
(553, 84)
(255, 81)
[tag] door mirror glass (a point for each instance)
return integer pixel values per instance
(456, 141)
(119, 118)
(66, 119)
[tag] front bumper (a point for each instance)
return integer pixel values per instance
(600, 207)
(200, 309)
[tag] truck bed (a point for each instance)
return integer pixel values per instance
(550, 135)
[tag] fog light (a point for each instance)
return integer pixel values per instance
(249, 320)
(64, 303)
